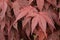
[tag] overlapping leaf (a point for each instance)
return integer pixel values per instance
(22, 14)
(42, 19)
(29, 16)
(25, 21)
(42, 24)
(34, 23)
(13, 10)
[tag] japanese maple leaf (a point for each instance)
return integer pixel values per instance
(54, 16)
(38, 20)
(27, 20)
(18, 5)
(23, 13)
(42, 18)
(48, 19)
(29, 16)
(20, 14)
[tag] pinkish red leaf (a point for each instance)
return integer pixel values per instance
(16, 9)
(28, 29)
(32, 12)
(22, 14)
(25, 21)
(40, 4)
(49, 20)
(34, 23)
(42, 24)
